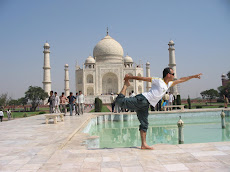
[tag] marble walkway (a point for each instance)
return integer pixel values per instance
(28, 144)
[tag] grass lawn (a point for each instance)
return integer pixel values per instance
(206, 105)
(23, 114)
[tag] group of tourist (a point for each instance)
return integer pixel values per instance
(2, 114)
(58, 104)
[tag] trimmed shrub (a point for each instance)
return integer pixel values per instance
(198, 107)
(189, 102)
(42, 112)
(178, 100)
(25, 115)
(98, 104)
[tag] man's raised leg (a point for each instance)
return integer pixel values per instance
(125, 86)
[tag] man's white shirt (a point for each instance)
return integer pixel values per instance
(157, 91)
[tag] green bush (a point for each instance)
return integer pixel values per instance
(25, 115)
(185, 106)
(178, 100)
(198, 107)
(189, 102)
(98, 104)
(221, 106)
(42, 112)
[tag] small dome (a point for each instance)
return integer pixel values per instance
(90, 59)
(147, 63)
(128, 59)
(46, 44)
(171, 42)
(108, 49)
(66, 65)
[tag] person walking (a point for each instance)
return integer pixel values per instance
(8, 114)
(81, 101)
(76, 105)
(72, 100)
(112, 100)
(51, 102)
(140, 103)
(57, 103)
(1, 115)
(63, 100)
(226, 98)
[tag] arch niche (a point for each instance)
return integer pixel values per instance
(109, 83)
(90, 91)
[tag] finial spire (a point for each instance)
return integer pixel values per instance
(107, 31)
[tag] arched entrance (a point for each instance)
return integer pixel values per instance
(109, 83)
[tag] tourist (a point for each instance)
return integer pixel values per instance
(77, 105)
(57, 103)
(112, 100)
(226, 98)
(81, 101)
(171, 99)
(8, 114)
(1, 115)
(51, 102)
(63, 100)
(166, 100)
(72, 100)
(140, 103)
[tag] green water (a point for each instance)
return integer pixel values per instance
(162, 129)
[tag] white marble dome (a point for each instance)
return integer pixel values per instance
(128, 59)
(90, 59)
(108, 50)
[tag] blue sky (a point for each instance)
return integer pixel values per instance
(200, 30)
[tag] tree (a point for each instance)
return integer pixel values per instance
(22, 101)
(210, 94)
(228, 74)
(189, 103)
(4, 100)
(35, 95)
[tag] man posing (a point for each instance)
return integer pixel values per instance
(140, 103)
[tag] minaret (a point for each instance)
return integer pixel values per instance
(66, 80)
(172, 64)
(148, 84)
(46, 77)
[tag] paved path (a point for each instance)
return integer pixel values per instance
(28, 144)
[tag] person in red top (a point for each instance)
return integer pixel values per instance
(63, 100)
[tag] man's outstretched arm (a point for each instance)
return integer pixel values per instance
(184, 79)
(148, 79)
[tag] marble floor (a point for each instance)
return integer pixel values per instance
(28, 144)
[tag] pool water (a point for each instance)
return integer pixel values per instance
(198, 128)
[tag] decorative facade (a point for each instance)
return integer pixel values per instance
(103, 73)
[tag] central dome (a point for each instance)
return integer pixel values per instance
(108, 50)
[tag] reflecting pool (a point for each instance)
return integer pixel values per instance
(123, 130)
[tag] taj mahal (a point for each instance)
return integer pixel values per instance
(103, 74)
